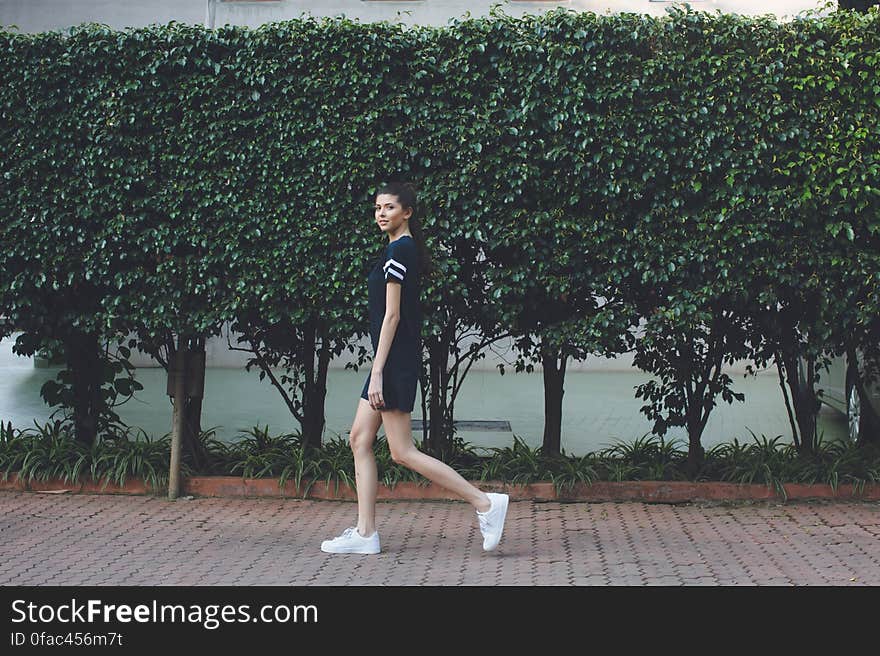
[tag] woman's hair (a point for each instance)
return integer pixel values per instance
(406, 196)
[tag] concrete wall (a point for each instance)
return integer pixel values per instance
(218, 354)
(43, 15)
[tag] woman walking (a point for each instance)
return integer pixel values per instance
(390, 390)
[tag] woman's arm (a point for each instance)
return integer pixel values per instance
(389, 325)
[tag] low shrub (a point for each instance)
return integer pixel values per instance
(51, 452)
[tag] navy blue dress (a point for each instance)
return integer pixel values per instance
(399, 264)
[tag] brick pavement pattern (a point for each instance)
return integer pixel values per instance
(82, 539)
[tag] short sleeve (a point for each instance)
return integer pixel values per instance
(399, 261)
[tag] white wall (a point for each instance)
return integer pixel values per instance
(43, 15)
(218, 354)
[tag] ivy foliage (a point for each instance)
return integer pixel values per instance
(579, 174)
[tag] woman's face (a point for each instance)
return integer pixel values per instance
(390, 216)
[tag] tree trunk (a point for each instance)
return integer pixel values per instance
(424, 385)
(315, 397)
(803, 395)
(554, 377)
(314, 388)
(192, 445)
(84, 361)
(794, 432)
(320, 399)
(179, 416)
(693, 404)
(806, 405)
(438, 433)
(694, 422)
(435, 429)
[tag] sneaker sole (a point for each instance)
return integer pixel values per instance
(505, 501)
(344, 550)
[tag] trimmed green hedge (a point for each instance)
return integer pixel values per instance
(694, 171)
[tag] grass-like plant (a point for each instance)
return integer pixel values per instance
(116, 457)
(516, 464)
(521, 464)
(647, 458)
(335, 462)
(759, 462)
(51, 452)
(259, 454)
(14, 449)
(571, 470)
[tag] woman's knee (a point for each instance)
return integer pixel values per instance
(360, 440)
(403, 456)
(399, 435)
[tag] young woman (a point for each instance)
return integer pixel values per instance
(390, 390)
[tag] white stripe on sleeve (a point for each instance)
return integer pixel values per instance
(394, 268)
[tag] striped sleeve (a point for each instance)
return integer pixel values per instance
(397, 262)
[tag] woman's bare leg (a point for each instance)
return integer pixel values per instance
(361, 439)
(398, 431)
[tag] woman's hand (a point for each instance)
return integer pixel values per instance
(374, 392)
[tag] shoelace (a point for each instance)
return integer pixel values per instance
(484, 523)
(347, 532)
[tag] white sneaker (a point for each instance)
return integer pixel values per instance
(492, 521)
(352, 542)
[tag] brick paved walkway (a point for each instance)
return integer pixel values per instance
(66, 539)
